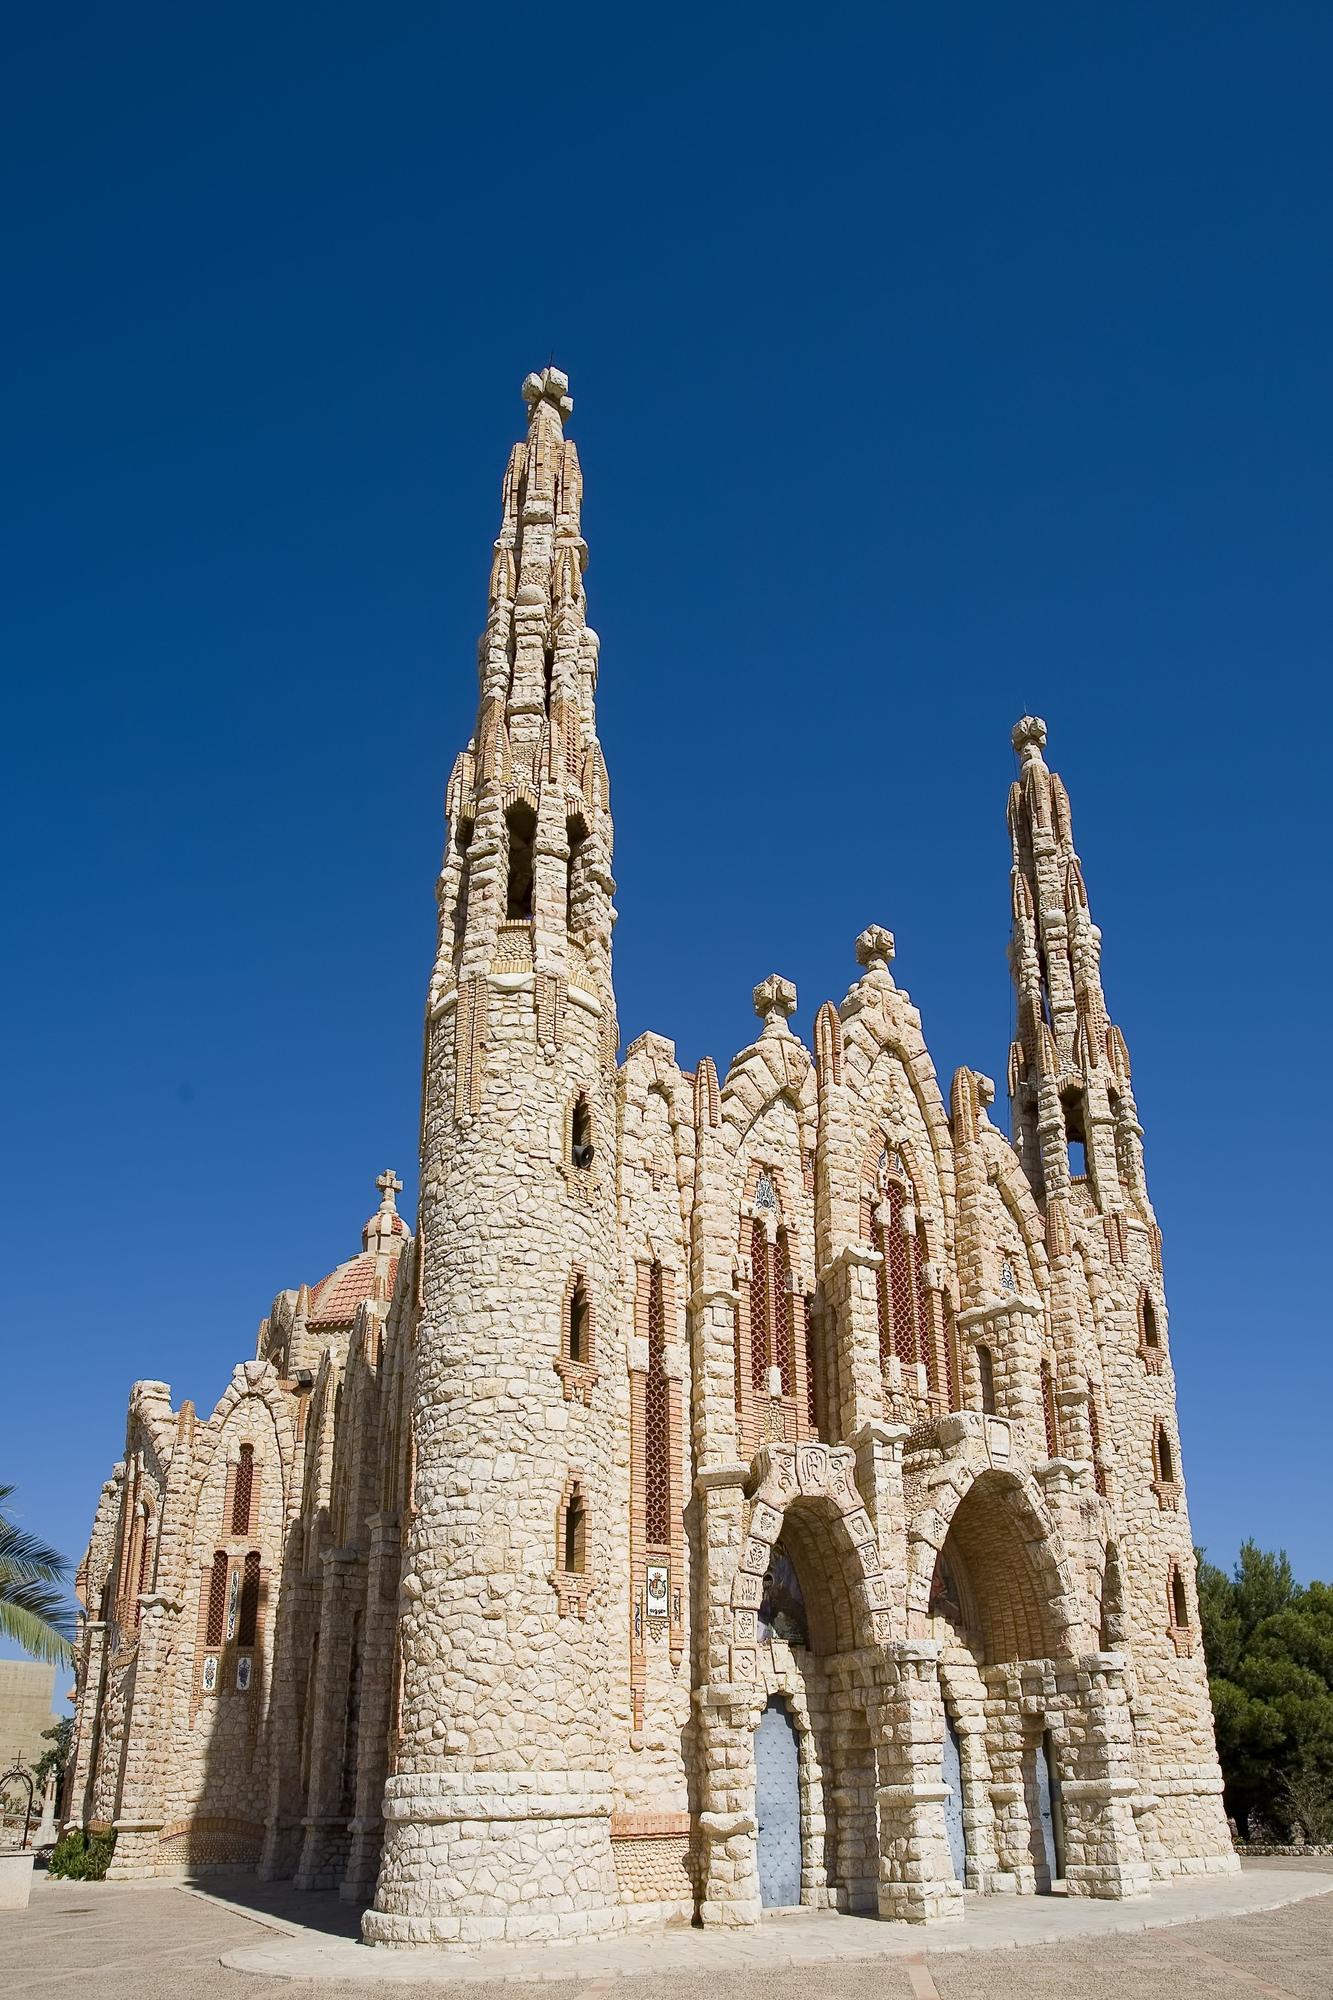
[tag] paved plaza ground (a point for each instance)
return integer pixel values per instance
(148, 1941)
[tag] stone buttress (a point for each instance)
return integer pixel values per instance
(498, 1803)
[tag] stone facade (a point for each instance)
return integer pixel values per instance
(692, 1395)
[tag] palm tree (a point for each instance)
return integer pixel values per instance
(34, 1612)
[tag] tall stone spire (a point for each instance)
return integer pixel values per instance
(498, 1803)
(526, 881)
(1069, 1079)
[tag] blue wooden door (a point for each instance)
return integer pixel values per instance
(1049, 1811)
(953, 1804)
(777, 1799)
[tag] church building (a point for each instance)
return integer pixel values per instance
(744, 1489)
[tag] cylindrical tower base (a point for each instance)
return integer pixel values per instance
(479, 1857)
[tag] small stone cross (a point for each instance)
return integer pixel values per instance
(774, 1000)
(389, 1185)
(874, 948)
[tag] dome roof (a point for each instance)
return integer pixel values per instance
(334, 1300)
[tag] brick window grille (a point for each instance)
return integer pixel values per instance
(783, 1343)
(657, 1420)
(247, 1624)
(902, 1299)
(1048, 1411)
(217, 1600)
(901, 1282)
(243, 1491)
(758, 1306)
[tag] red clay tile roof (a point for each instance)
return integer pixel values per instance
(334, 1300)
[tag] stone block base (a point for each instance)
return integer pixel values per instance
(485, 1858)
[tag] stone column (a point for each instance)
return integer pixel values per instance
(139, 1826)
(1103, 1853)
(879, 1480)
(727, 1712)
(916, 1878)
(726, 1703)
(848, 1282)
(324, 1849)
(283, 1834)
(378, 1631)
(90, 1715)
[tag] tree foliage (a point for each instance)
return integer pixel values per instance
(1268, 1643)
(55, 1759)
(34, 1610)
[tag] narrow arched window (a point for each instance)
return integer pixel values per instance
(576, 873)
(521, 826)
(1075, 1134)
(657, 1421)
(1180, 1610)
(574, 1538)
(986, 1371)
(1048, 1411)
(463, 849)
(1166, 1460)
(1151, 1336)
(577, 1344)
(580, 1134)
(243, 1491)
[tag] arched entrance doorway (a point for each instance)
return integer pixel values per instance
(1049, 1829)
(778, 1806)
(992, 1608)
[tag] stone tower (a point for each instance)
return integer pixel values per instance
(497, 1810)
(1110, 1400)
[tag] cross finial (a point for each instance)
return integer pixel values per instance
(875, 948)
(774, 999)
(389, 1185)
(548, 385)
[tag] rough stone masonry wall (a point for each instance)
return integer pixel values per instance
(502, 1783)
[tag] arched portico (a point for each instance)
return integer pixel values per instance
(1023, 1684)
(865, 1707)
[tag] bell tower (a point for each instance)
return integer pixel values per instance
(497, 1809)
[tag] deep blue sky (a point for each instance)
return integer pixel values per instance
(930, 365)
